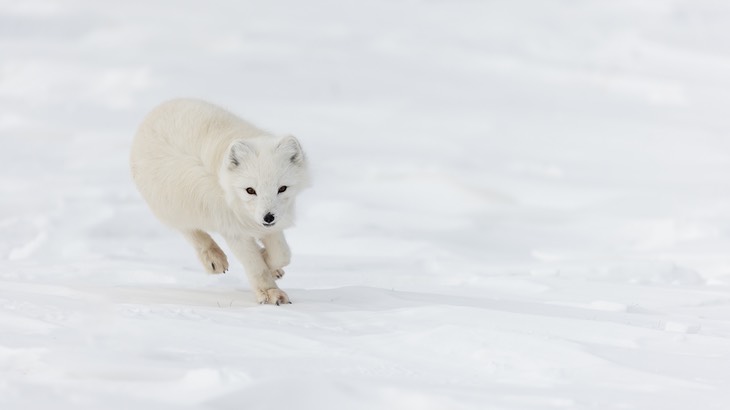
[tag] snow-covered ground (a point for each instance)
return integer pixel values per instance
(517, 205)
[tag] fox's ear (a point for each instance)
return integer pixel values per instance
(238, 151)
(289, 145)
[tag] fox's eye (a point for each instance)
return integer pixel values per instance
(282, 188)
(251, 191)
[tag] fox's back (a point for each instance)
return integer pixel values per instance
(176, 155)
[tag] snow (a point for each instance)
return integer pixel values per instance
(517, 205)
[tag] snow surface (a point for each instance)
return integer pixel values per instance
(517, 205)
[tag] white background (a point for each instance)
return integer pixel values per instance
(516, 205)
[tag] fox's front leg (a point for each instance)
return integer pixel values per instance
(276, 253)
(259, 276)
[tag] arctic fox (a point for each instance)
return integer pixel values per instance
(202, 169)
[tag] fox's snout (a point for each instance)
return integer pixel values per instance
(269, 219)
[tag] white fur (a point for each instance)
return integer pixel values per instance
(193, 161)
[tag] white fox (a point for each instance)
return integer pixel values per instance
(202, 169)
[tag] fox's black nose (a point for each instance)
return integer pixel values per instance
(269, 218)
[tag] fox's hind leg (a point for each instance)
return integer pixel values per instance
(210, 254)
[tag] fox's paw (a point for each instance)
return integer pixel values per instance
(272, 296)
(277, 273)
(214, 260)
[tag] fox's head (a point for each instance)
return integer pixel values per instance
(262, 176)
